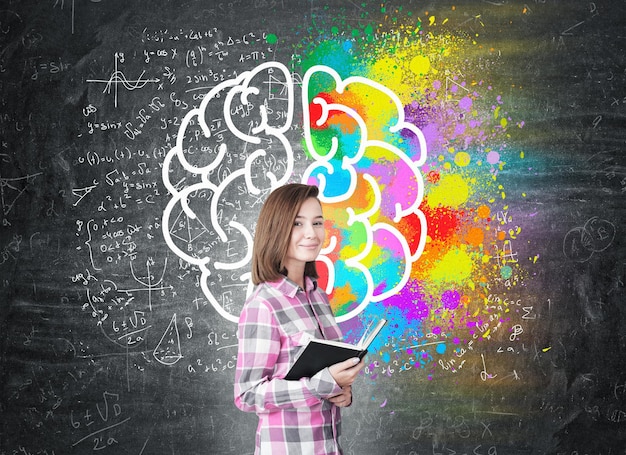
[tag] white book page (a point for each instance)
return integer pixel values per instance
(336, 343)
(366, 341)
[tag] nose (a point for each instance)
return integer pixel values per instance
(309, 232)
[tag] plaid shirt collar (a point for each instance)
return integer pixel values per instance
(290, 289)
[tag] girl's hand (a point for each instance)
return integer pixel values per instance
(344, 399)
(344, 373)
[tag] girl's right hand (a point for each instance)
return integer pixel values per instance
(344, 373)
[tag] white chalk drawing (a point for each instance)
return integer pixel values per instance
(581, 242)
(11, 189)
(167, 351)
(118, 78)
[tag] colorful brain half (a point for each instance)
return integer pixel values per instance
(366, 162)
(447, 270)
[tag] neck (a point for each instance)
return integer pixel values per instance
(297, 277)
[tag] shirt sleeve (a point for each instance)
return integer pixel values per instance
(256, 390)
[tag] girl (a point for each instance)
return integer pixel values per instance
(285, 309)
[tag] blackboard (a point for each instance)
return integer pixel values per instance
(139, 138)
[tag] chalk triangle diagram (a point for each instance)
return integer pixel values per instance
(10, 191)
(187, 229)
(167, 351)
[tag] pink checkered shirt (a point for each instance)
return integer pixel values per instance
(295, 417)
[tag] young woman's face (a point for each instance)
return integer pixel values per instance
(307, 235)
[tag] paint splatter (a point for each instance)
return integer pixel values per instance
(433, 264)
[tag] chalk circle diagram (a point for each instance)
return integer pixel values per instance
(232, 151)
(581, 242)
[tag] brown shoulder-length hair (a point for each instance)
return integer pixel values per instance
(273, 232)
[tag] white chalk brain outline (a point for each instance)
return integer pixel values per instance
(232, 151)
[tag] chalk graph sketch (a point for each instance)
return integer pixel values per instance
(110, 306)
(337, 167)
(118, 78)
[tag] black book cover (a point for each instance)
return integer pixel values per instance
(319, 354)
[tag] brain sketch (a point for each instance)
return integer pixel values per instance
(233, 150)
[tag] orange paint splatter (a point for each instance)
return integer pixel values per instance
(475, 236)
(484, 211)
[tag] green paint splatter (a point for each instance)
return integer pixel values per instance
(271, 39)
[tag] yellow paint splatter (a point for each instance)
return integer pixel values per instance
(420, 65)
(451, 191)
(462, 159)
(387, 71)
(454, 267)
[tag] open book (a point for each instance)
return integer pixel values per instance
(319, 354)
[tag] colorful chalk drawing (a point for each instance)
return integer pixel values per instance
(408, 143)
(368, 184)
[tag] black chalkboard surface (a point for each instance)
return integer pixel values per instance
(132, 170)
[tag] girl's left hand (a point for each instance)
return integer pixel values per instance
(344, 399)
